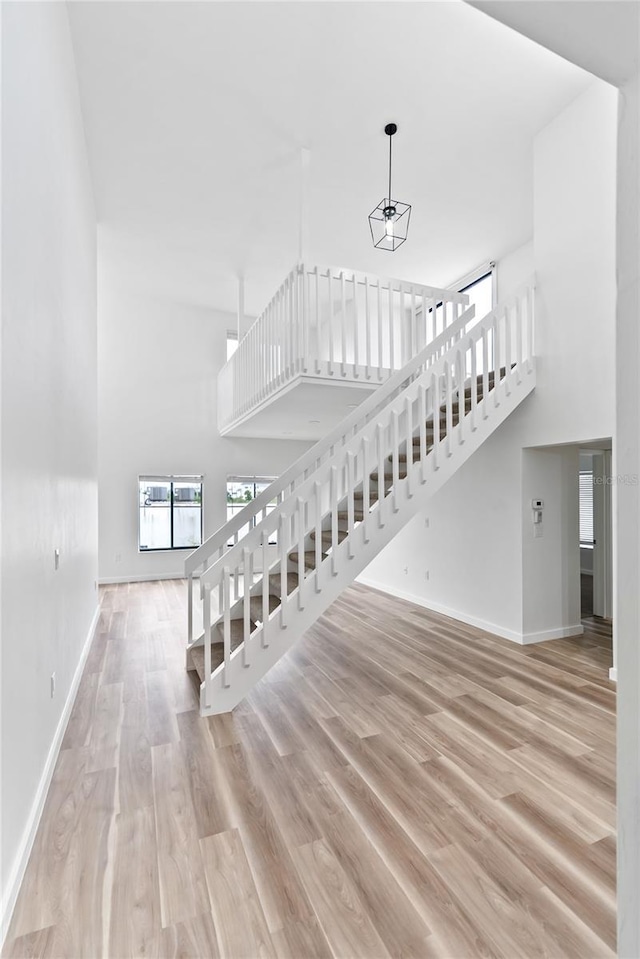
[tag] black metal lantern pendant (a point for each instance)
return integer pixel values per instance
(389, 221)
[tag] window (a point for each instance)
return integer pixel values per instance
(480, 293)
(586, 509)
(232, 344)
(170, 512)
(242, 490)
(479, 286)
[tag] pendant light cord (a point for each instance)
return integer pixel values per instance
(390, 139)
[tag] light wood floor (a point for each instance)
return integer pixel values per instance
(400, 785)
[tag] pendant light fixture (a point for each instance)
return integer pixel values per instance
(389, 222)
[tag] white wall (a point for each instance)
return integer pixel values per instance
(469, 525)
(514, 269)
(627, 522)
(551, 562)
(574, 247)
(158, 367)
(473, 548)
(49, 408)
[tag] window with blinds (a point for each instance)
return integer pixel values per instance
(586, 508)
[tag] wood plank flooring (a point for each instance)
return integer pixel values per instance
(400, 785)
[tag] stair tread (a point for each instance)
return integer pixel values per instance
(255, 606)
(274, 583)
(327, 535)
(343, 515)
(309, 558)
(388, 470)
(196, 657)
(358, 496)
(236, 630)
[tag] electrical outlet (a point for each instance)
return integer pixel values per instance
(406, 571)
(53, 685)
(118, 557)
(56, 558)
(426, 574)
(426, 523)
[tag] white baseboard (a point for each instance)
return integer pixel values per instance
(482, 624)
(613, 674)
(24, 850)
(138, 578)
(523, 639)
(563, 633)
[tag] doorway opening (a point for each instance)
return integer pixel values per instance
(596, 550)
(596, 554)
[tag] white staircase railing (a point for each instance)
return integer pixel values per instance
(330, 322)
(348, 496)
(216, 545)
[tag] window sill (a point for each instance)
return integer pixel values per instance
(166, 549)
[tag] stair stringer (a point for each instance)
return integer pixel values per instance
(322, 587)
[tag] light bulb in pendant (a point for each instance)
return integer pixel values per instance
(389, 213)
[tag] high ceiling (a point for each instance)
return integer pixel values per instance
(196, 115)
(603, 36)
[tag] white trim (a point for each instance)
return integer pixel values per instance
(483, 270)
(564, 632)
(139, 577)
(613, 674)
(245, 478)
(24, 850)
(170, 477)
(482, 624)
(523, 639)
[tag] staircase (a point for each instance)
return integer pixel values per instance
(348, 496)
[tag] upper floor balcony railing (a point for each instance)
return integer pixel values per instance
(331, 323)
